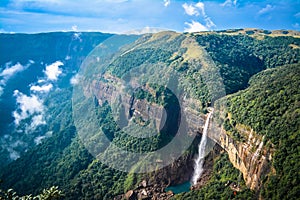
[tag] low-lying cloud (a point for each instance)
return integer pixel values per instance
(53, 71)
(39, 139)
(28, 106)
(75, 79)
(30, 112)
(12, 144)
(43, 88)
(10, 71)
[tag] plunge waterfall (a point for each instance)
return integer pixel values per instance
(198, 168)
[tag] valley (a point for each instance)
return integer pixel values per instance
(126, 115)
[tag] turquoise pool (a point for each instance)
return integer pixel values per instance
(176, 189)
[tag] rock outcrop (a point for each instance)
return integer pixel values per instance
(112, 91)
(251, 157)
(154, 184)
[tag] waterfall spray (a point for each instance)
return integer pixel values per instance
(201, 152)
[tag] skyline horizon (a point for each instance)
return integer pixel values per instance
(135, 32)
(122, 16)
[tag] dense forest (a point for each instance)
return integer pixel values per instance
(261, 81)
(271, 107)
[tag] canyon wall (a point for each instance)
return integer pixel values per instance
(250, 156)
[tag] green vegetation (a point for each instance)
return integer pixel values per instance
(240, 56)
(53, 193)
(271, 107)
(57, 159)
(218, 187)
(97, 181)
(43, 49)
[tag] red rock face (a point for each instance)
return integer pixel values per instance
(252, 158)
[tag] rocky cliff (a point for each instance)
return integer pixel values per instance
(111, 91)
(251, 157)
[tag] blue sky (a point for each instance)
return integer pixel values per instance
(122, 16)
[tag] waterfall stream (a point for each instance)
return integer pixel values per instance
(198, 168)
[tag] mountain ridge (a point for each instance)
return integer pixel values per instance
(238, 58)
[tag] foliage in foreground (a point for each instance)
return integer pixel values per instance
(53, 193)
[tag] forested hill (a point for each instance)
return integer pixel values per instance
(260, 72)
(271, 106)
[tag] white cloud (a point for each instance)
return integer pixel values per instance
(74, 28)
(209, 23)
(53, 71)
(39, 139)
(116, 1)
(30, 107)
(75, 79)
(195, 27)
(44, 88)
(67, 57)
(266, 9)
(27, 106)
(10, 71)
(190, 9)
(36, 121)
(11, 143)
(229, 3)
(41, 81)
(297, 15)
(76, 36)
(196, 9)
(167, 3)
(200, 5)
(17, 143)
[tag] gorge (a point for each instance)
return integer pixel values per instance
(253, 129)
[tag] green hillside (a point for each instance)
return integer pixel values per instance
(261, 81)
(271, 107)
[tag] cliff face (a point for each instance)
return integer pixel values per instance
(111, 91)
(251, 157)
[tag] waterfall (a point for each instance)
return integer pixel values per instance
(198, 168)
